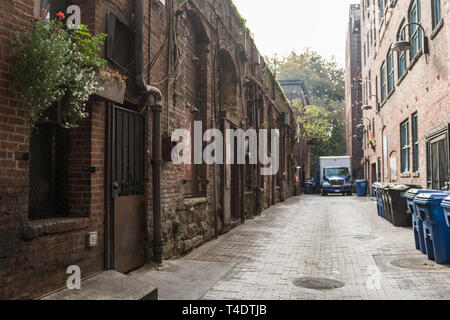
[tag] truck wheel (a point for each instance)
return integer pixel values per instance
(324, 193)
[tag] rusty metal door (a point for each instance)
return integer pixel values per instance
(128, 189)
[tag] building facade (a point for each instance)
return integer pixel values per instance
(295, 91)
(353, 92)
(406, 93)
(106, 195)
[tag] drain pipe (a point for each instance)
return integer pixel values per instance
(156, 108)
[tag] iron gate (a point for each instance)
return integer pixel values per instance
(128, 190)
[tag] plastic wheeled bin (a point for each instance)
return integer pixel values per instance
(361, 188)
(398, 205)
(386, 202)
(308, 187)
(417, 223)
(376, 187)
(435, 229)
(446, 206)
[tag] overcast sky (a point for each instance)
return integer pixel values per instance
(282, 25)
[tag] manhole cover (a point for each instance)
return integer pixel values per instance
(364, 237)
(415, 263)
(318, 283)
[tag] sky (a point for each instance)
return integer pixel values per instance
(284, 25)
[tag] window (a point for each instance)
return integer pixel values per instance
(380, 10)
(119, 46)
(401, 55)
(383, 82)
(368, 46)
(365, 54)
(415, 30)
(390, 72)
(438, 159)
(415, 136)
(48, 171)
(404, 136)
(370, 83)
(437, 16)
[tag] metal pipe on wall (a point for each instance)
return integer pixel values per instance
(156, 108)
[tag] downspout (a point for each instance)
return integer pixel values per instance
(156, 108)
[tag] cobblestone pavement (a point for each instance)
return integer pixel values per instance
(337, 237)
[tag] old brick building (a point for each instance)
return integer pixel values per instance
(295, 91)
(353, 91)
(112, 177)
(406, 93)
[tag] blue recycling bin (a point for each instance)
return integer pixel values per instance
(446, 206)
(361, 188)
(416, 221)
(376, 187)
(435, 230)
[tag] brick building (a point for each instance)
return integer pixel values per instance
(406, 93)
(353, 92)
(296, 90)
(112, 177)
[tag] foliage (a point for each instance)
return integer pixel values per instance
(324, 81)
(314, 121)
(56, 66)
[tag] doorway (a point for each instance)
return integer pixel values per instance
(125, 188)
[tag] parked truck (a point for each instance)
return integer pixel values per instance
(334, 175)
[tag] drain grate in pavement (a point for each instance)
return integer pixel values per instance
(318, 283)
(416, 264)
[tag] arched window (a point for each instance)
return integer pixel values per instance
(390, 72)
(415, 31)
(401, 55)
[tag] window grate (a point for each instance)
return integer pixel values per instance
(48, 171)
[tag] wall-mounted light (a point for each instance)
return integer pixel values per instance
(367, 107)
(405, 45)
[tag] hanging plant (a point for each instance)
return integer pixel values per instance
(57, 67)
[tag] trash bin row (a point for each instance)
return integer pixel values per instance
(426, 211)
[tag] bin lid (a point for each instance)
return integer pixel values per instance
(438, 196)
(414, 192)
(403, 187)
(447, 200)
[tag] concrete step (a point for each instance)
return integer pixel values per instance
(108, 285)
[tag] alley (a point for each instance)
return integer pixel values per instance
(337, 237)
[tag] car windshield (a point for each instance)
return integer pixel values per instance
(340, 172)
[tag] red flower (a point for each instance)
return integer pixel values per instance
(60, 15)
(44, 11)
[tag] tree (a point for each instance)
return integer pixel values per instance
(324, 81)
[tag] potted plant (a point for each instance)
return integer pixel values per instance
(113, 85)
(57, 68)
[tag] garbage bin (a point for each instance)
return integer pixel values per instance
(417, 223)
(398, 205)
(386, 202)
(308, 187)
(435, 229)
(361, 188)
(446, 206)
(376, 187)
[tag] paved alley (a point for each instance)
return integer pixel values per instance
(338, 238)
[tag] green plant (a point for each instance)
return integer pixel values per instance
(57, 67)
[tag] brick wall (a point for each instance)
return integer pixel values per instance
(34, 254)
(424, 89)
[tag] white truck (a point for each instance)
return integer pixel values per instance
(334, 175)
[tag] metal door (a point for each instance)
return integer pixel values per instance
(128, 190)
